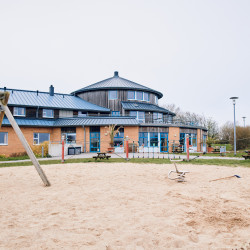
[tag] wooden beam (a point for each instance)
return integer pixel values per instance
(25, 143)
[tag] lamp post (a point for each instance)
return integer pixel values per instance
(244, 121)
(234, 101)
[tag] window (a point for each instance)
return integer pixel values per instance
(192, 140)
(133, 113)
(143, 139)
(157, 117)
(112, 94)
(65, 113)
(48, 113)
(146, 96)
(139, 95)
(140, 115)
(156, 100)
(69, 134)
(18, 111)
(82, 114)
(153, 139)
(118, 138)
(39, 138)
(204, 140)
(131, 95)
(115, 113)
(3, 138)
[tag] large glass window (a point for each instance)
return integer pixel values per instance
(82, 114)
(39, 138)
(69, 134)
(3, 138)
(115, 113)
(48, 113)
(153, 139)
(204, 141)
(112, 94)
(131, 95)
(143, 139)
(18, 111)
(164, 142)
(139, 95)
(146, 96)
(118, 138)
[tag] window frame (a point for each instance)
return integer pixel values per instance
(137, 95)
(16, 109)
(152, 138)
(144, 96)
(7, 139)
(38, 138)
(109, 95)
(142, 135)
(45, 116)
(119, 135)
(134, 95)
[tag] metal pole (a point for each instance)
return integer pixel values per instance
(234, 131)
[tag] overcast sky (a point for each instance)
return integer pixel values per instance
(196, 52)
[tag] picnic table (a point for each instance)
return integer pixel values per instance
(247, 156)
(216, 150)
(101, 156)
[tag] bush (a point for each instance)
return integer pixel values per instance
(37, 149)
(20, 154)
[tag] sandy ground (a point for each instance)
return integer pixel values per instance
(124, 206)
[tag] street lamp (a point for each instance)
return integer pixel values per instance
(244, 121)
(234, 101)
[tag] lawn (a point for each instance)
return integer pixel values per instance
(219, 162)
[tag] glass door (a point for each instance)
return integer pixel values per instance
(164, 142)
(94, 139)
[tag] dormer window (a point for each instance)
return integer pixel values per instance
(18, 111)
(112, 94)
(48, 113)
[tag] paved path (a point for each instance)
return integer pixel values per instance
(131, 155)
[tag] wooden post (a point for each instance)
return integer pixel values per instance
(25, 144)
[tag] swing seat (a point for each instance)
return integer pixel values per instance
(177, 175)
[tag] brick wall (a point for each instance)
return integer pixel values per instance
(14, 144)
(173, 135)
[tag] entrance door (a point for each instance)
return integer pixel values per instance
(94, 139)
(164, 142)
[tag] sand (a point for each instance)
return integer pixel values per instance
(124, 206)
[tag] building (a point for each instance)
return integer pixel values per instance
(82, 118)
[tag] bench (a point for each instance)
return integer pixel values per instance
(101, 156)
(247, 157)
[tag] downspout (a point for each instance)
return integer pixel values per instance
(84, 139)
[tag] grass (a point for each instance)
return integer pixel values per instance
(219, 162)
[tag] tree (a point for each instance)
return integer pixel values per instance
(186, 116)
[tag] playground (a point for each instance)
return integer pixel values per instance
(124, 206)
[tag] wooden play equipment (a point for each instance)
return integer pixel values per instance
(4, 97)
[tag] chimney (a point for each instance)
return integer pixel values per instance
(116, 74)
(51, 90)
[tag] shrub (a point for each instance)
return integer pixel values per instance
(37, 149)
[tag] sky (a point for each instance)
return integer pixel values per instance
(196, 52)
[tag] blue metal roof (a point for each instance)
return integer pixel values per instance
(117, 82)
(96, 121)
(144, 107)
(27, 98)
(31, 122)
(81, 121)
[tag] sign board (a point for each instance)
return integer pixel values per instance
(222, 149)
